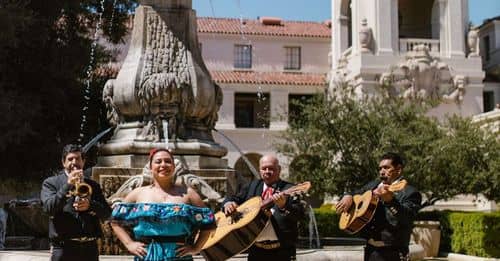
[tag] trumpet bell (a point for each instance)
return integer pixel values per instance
(83, 190)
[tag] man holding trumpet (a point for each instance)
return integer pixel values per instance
(75, 204)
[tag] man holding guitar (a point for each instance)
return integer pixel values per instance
(389, 229)
(278, 238)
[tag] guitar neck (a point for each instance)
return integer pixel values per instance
(268, 203)
(297, 189)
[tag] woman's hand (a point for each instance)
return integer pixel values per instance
(187, 250)
(137, 248)
(81, 204)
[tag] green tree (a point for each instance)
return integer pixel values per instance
(337, 142)
(45, 49)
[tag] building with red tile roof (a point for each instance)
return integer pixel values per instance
(261, 65)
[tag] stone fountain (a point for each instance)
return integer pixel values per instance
(163, 96)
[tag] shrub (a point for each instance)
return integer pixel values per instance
(469, 233)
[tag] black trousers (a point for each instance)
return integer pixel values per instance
(386, 253)
(74, 251)
(277, 254)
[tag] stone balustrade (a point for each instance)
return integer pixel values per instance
(407, 44)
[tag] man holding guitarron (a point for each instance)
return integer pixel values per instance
(388, 232)
(277, 240)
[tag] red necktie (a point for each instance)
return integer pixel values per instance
(267, 193)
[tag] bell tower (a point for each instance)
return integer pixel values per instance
(375, 39)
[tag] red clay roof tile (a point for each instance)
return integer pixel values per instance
(255, 27)
(277, 78)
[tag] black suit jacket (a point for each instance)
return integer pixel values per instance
(284, 220)
(65, 222)
(393, 222)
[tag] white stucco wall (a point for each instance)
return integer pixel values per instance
(268, 53)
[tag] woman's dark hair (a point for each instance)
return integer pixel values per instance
(154, 151)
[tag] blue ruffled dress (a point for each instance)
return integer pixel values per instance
(162, 225)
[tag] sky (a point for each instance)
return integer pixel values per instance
(309, 10)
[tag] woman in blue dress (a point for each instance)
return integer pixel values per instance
(165, 218)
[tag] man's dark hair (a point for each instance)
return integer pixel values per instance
(395, 158)
(70, 148)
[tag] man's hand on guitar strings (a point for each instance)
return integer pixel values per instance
(230, 207)
(344, 204)
(280, 200)
(384, 193)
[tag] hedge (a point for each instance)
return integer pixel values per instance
(469, 233)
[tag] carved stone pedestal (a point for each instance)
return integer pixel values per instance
(111, 178)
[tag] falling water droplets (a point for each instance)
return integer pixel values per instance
(112, 16)
(88, 72)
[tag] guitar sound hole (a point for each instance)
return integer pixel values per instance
(236, 216)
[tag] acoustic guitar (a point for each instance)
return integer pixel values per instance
(237, 232)
(363, 209)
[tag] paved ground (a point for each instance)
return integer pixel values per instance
(332, 253)
(337, 253)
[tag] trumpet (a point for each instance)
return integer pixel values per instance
(82, 189)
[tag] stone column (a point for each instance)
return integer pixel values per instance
(386, 27)
(443, 28)
(340, 32)
(456, 29)
(355, 23)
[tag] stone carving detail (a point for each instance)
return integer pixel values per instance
(338, 77)
(422, 74)
(458, 91)
(171, 84)
(112, 112)
(386, 79)
(182, 177)
(473, 42)
(165, 80)
(365, 37)
(111, 184)
(386, 82)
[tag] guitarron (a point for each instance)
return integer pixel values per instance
(363, 209)
(237, 232)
